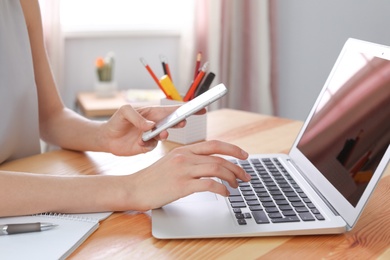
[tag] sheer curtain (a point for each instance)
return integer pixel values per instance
(54, 40)
(234, 36)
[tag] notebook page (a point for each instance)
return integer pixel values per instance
(56, 243)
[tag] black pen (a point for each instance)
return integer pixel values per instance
(9, 229)
(205, 85)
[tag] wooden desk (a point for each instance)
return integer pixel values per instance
(127, 235)
(92, 106)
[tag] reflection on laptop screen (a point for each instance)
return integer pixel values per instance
(350, 130)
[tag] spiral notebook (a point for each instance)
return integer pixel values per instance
(56, 243)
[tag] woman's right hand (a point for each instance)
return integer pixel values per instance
(183, 171)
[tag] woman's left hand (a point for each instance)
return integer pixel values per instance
(122, 133)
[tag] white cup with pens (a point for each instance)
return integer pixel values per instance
(195, 129)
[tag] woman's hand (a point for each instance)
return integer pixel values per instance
(183, 171)
(121, 135)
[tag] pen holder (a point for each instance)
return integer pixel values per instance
(195, 129)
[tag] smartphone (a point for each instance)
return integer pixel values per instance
(187, 109)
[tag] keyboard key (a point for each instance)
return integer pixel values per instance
(259, 190)
(306, 216)
(290, 194)
(275, 215)
(315, 211)
(240, 216)
(238, 205)
(279, 197)
(282, 202)
(237, 210)
(253, 203)
(294, 199)
(236, 199)
(289, 213)
(259, 185)
(260, 217)
(241, 221)
(248, 188)
(271, 209)
(301, 209)
(248, 193)
(263, 194)
(255, 208)
(265, 199)
(275, 192)
(285, 207)
(247, 198)
(286, 219)
(319, 216)
(247, 215)
(298, 204)
(269, 204)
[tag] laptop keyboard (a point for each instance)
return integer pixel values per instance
(272, 195)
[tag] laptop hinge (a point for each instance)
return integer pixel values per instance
(314, 188)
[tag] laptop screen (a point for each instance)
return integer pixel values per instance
(350, 129)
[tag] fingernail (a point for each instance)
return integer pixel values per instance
(244, 153)
(149, 122)
(248, 176)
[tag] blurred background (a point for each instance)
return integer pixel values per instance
(273, 55)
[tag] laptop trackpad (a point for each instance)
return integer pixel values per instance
(198, 197)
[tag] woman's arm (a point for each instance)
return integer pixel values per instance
(181, 172)
(65, 128)
(58, 125)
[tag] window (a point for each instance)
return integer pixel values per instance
(103, 15)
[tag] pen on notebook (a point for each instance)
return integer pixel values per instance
(205, 85)
(9, 229)
(143, 61)
(195, 83)
(197, 64)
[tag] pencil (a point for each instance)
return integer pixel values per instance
(197, 64)
(196, 82)
(143, 61)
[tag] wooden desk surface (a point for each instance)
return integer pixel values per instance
(127, 235)
(93, 106)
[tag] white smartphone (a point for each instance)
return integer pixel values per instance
(187, 109)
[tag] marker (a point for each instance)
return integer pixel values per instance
(167, 84)
(205, 85)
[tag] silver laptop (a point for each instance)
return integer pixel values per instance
(323, 184)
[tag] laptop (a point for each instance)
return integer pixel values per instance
(323, 184)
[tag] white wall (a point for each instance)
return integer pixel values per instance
(311, 34)
(82, 50)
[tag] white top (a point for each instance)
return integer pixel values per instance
(19, 125)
